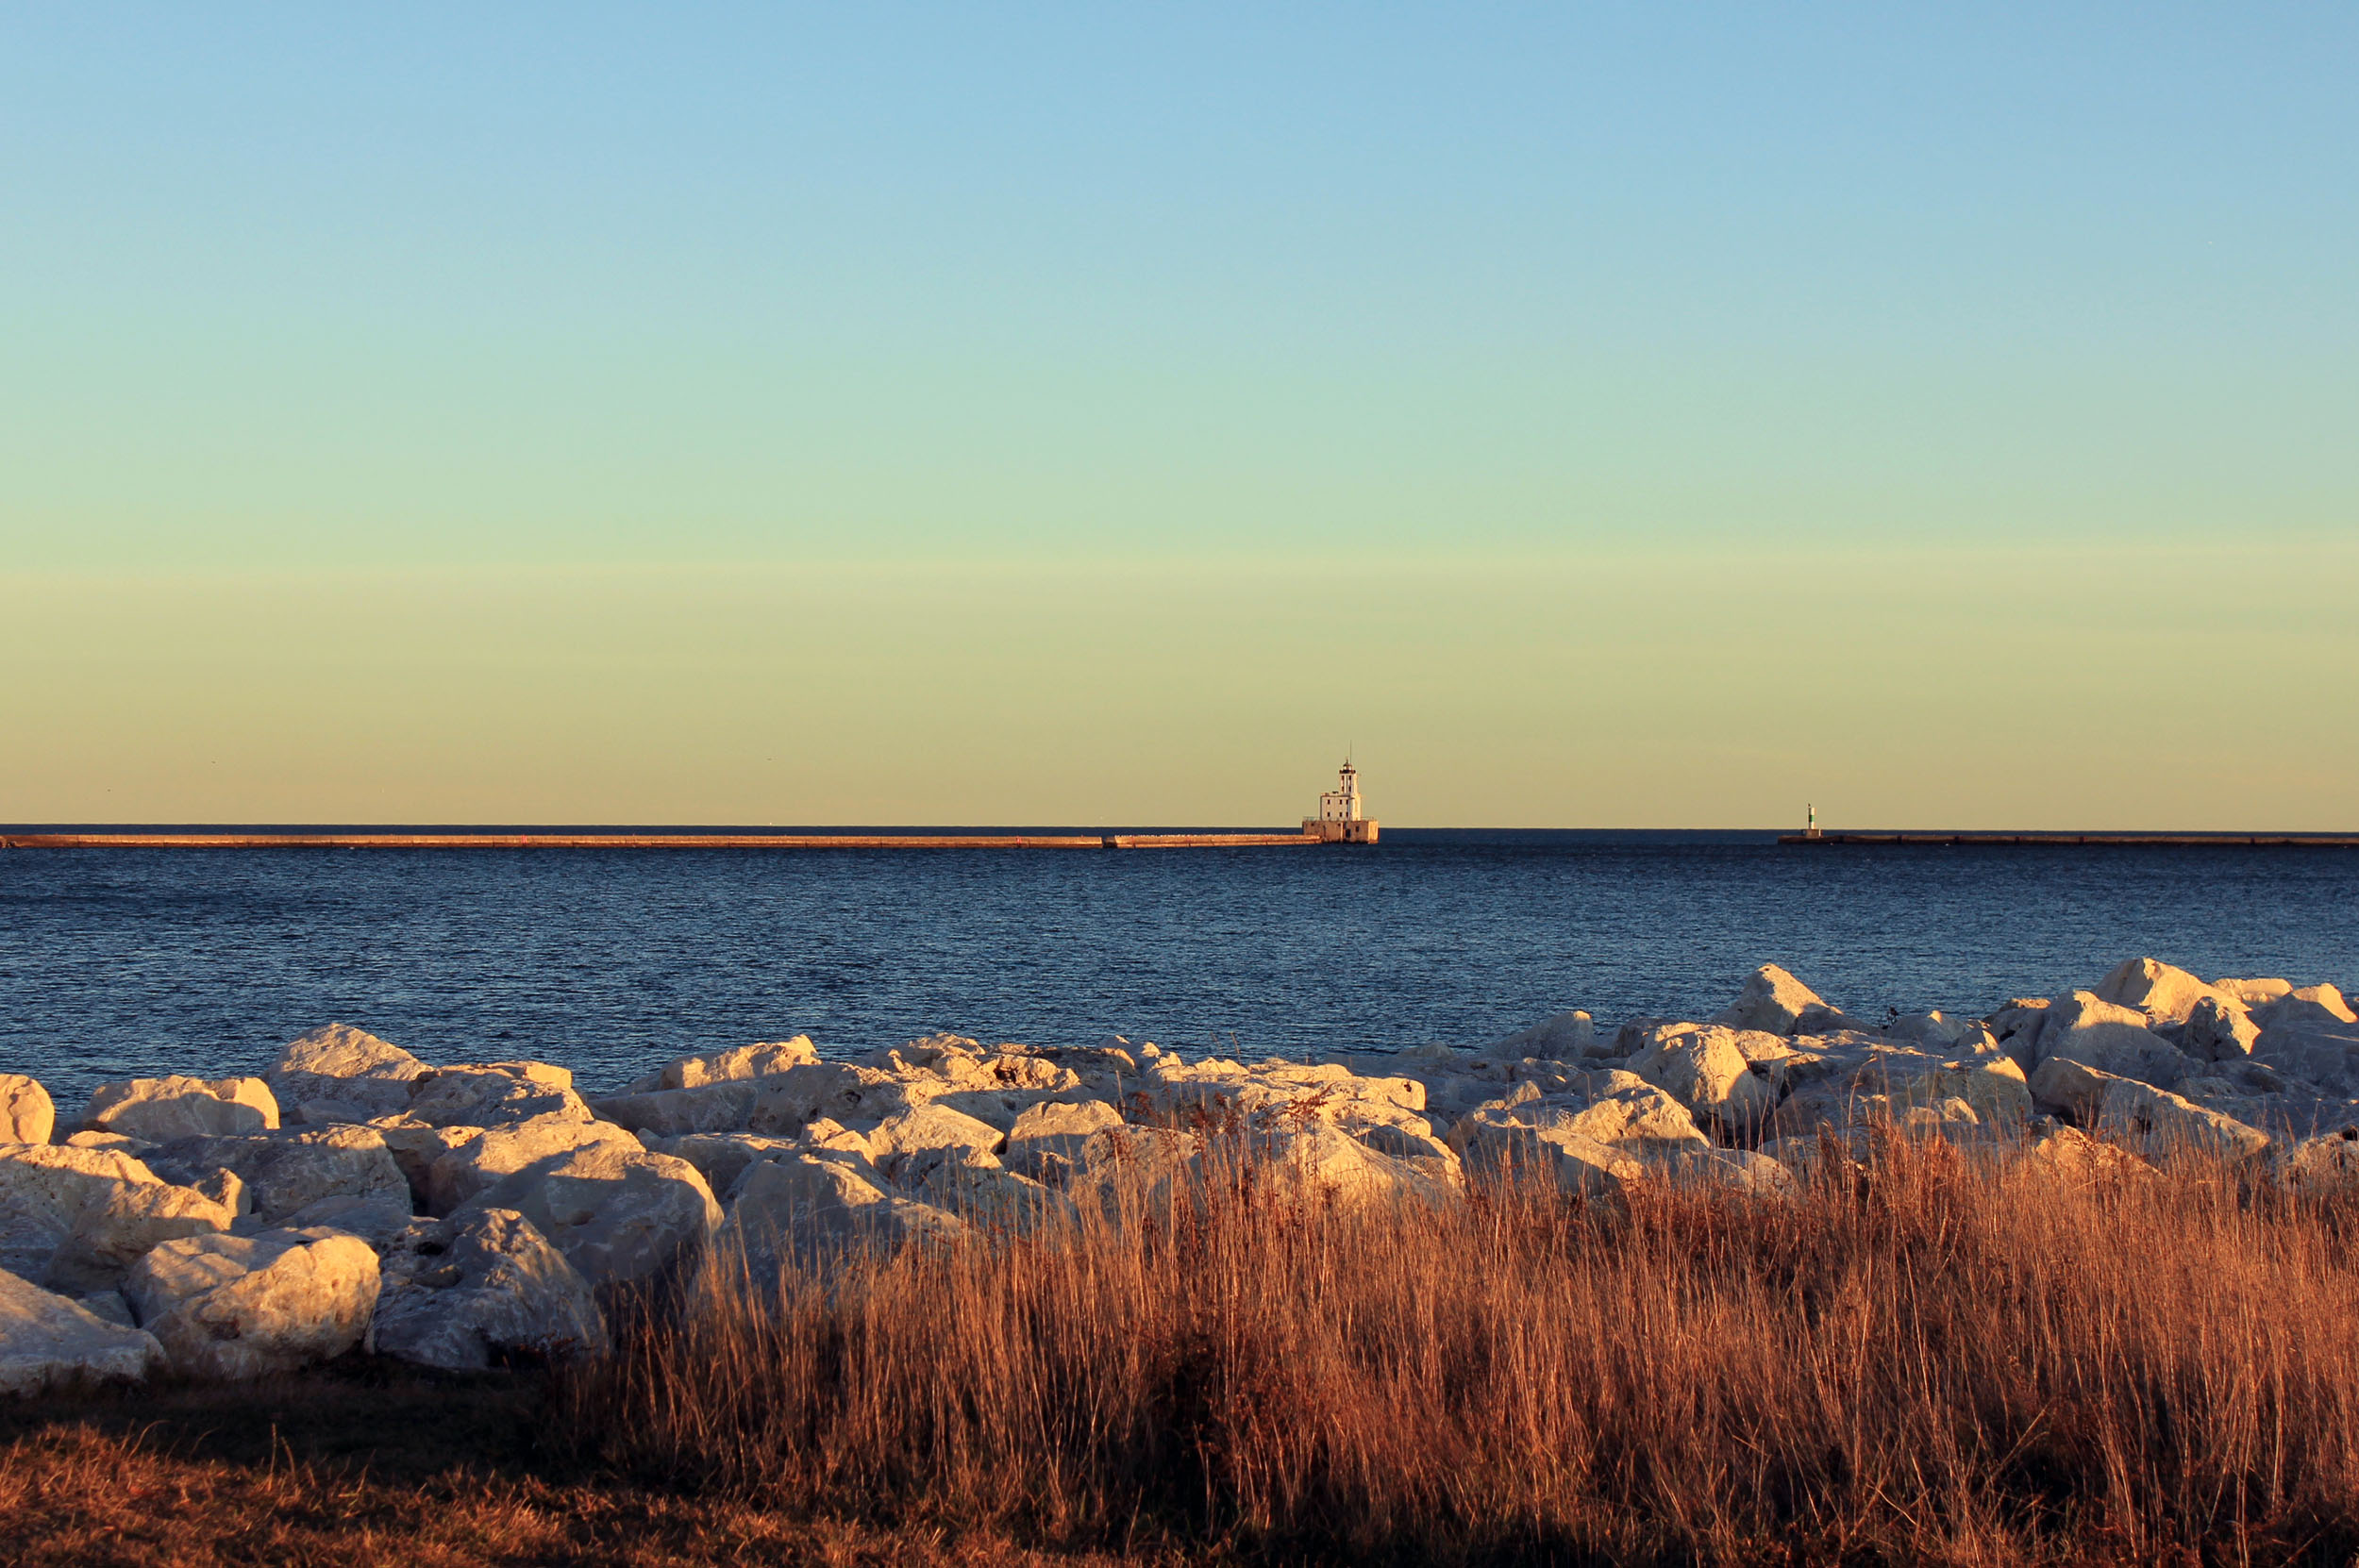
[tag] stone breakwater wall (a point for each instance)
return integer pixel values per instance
(352, 1197)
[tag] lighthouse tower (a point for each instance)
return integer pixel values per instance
(1338, 820)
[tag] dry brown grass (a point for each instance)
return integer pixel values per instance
(1931, 1361)
(1928, 1363)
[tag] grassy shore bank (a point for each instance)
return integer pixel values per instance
(1922, 1358)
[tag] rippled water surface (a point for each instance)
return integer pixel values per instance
(115, 963)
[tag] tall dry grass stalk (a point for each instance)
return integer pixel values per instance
(1925, 1360)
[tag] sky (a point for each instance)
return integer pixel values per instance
(1589, 416)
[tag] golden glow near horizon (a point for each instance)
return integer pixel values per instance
(2166, 689)
(1639, 416)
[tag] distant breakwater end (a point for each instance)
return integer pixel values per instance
(656, 841)
(2221, 841)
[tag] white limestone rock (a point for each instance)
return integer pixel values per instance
(1700, 1066)
(229, 1309)
(48, 1342)
(2154, 1121)
(837, 1091)
(1855, 1083)
(485, 1290)
(738, 1064)
(2306, 1006)
(26, 1115)
(482, 1155)
(2163, 993)
(990, 1198)
(1744, 1172)
(2218, 1030)
(1218, 1092)
(1935, 1029)
(282, 1174)
(107, 1306)
(161, 1109)
(2114, 1039)
(929, 1128)
(1772, 1000)
(1326, 1165)
(342, 1073)
(809, 1211)
(1047, 1139)
(495, 1094)
(621, 1216)
(721, 1158)
(415, 1147)
(2254, 993)
(1566, 1037)
(1621, 1111)
(2326, 1163)
(75, 1219)
(2018, 1026)
(2323, 1055)
(2063, 1154)
(2161, 1124)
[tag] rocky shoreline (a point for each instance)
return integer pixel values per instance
(352, 1197)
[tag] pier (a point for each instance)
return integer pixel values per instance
(2205, 840)
(1339, 822)
(394, 840)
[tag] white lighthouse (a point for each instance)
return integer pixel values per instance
(1338, 820)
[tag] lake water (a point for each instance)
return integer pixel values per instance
(122, 963)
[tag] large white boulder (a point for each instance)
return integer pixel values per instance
(838, 1091)
(2254, 993)
(991, 1198)
(286, 1173)
(1566, 1037)
(1748, 1173)
(1854, 1083)
(234, 1307)
(2326, 1163)
(737, 1065)
(1217, 1092)
(2160, 1123)
(1047, 1139)
(481, 1157)
(812, 1210)
(48, 1341)
(2323, 1055)
(2305, 1006)
(933, 1128)
(343, 1073)
(1511, 1150)
(75, 1219)
(2088, 1029)
(2218, 1030)
(161, 1109)
(621, 1216)
(1620, 1110)
(495, 1094)
(2154, 1121)
(2164, 994)
(26, 1114)
(1771, 1000)
(484, 1290)
(1319, 1161)
(1700, 1066)
(721, 1158)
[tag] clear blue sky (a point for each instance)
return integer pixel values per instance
(1554, 384)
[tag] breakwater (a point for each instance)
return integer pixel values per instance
(2148, 841)
(394, 840)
